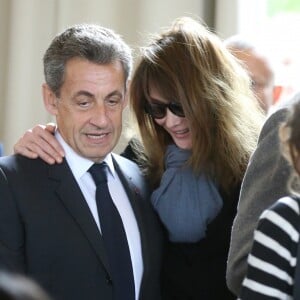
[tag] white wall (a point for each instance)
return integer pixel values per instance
(226, 17)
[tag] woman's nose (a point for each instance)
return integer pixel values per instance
(171, 119)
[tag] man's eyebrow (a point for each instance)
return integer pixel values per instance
(91, 95)
(114, 93)
(83, 93)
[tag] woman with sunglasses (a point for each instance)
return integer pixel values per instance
(199, 123)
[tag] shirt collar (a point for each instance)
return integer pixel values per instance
(79, 164)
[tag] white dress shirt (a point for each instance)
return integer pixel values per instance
(79, 167)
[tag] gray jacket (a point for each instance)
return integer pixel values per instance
(265, 181)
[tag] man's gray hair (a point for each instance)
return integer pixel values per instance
(92, 42)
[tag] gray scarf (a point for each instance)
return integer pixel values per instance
(186, 203)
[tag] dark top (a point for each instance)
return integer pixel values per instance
(196, 271)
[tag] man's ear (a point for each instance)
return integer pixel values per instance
(50, 100)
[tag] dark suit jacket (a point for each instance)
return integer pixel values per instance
(47, 230)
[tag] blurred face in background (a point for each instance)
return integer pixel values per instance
(261, 74)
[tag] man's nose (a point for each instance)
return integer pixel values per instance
(99, 115)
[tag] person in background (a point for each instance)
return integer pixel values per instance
(61, 224)
(273, 258)
(264, 182)
(15, 286)
(199, 123)
(259, 67)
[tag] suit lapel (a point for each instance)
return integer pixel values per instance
(72, 198)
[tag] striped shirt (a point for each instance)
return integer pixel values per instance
(272, 260)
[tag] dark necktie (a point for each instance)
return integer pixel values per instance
(114, 237)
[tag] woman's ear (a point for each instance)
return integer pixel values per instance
(50, 100)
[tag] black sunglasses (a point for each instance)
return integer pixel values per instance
(159, 110)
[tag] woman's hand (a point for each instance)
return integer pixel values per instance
(40, 142)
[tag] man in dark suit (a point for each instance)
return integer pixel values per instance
(49, 219)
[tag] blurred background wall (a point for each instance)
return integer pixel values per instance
(28, 26)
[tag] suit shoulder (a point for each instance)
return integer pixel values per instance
(18, 163)
(132, 171)
(123, 161)
(10, 162)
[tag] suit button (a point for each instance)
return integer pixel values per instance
(108, 280)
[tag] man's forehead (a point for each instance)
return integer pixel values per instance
(83, 73)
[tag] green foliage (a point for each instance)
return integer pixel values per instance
(276, 6)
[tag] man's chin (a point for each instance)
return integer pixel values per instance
(96, 154)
